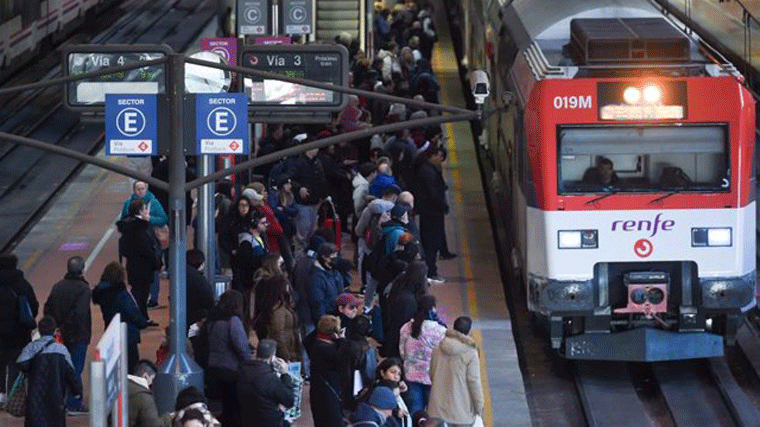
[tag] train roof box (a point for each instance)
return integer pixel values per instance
(627, 41)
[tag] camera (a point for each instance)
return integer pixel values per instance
(480, 86)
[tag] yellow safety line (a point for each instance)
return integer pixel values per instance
(31, 260)
(464, 241)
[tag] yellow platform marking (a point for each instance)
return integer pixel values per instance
(439, 66)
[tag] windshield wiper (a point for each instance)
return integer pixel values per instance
(665, 196)
(604, 196)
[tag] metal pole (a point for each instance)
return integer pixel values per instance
(178, 371)
(206, 209)
(98, 415)
(276, 17)
(123, 400)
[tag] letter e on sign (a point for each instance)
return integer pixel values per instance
(221, 121)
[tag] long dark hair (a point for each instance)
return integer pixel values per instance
(413, 279)
(425, 303)
(230, 304)
(273, 293)
(386, 364)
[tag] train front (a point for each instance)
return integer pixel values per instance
(641, 244)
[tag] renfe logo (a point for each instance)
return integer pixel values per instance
(644, 225)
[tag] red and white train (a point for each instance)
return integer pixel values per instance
(629, 154)
(26, 24)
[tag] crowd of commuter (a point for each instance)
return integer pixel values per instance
(363, 333)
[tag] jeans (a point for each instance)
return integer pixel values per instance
(78, 354)
(418, 395)
(306, 224)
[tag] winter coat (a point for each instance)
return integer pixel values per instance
(375, 207)
(140, 248)
(361, 189)
(457, 395)
(69, 304)
(324, 288)
(430, 192)
(250, 253)
(158, 217)
(142, 406)
(283, 328)
(228, 344)
(416, 352)
(11, 332)
(115, 298)
(400, 310)
(309, 173)
(50, 372)
(200, 295)
(260, 390)
(325, 392)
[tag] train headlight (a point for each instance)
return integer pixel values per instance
(632, 95)
(652, 94)
(578, 239)
(704, 237)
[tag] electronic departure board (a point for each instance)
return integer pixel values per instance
(90, 93)
(321, 63)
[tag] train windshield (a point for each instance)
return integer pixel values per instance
(643, 159)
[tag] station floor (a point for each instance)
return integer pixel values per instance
(81, 222)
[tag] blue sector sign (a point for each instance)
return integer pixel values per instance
(131, 125)
(221, 123)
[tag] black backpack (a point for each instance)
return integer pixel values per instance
(375, 261)
(9, 312)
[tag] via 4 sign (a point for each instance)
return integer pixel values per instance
(221, 123)
(131, 125)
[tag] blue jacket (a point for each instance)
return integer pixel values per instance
(158, 216)
(365, 415)
(324, 288)
(391, 231)
(378, 185)
(114, 298)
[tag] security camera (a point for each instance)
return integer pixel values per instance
(480, 86)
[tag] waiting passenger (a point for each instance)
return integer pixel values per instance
(603, 174)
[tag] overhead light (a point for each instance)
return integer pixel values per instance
(652, 94)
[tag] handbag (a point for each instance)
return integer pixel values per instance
(16, 403)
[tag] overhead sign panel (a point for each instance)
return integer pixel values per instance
(90, 94)
(224, 47)
(252, 17)
(131, 125)
(296, 16)
(221, 122)
(321, 63)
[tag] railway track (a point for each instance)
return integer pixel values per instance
(30, 178)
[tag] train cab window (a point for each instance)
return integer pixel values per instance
(643, 159)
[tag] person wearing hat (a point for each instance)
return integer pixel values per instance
(69, 305)
(377, 411)
(263, 387)
(347, 307)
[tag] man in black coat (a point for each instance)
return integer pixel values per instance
(69, 305)
(264, 387)
(13, 337)
(309, 187)
(200, 294)
(139, 246)
(431, 204)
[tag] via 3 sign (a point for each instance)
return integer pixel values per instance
(131, 125)
(221, 125)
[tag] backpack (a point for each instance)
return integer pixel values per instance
(9, 313)
(375, 261)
